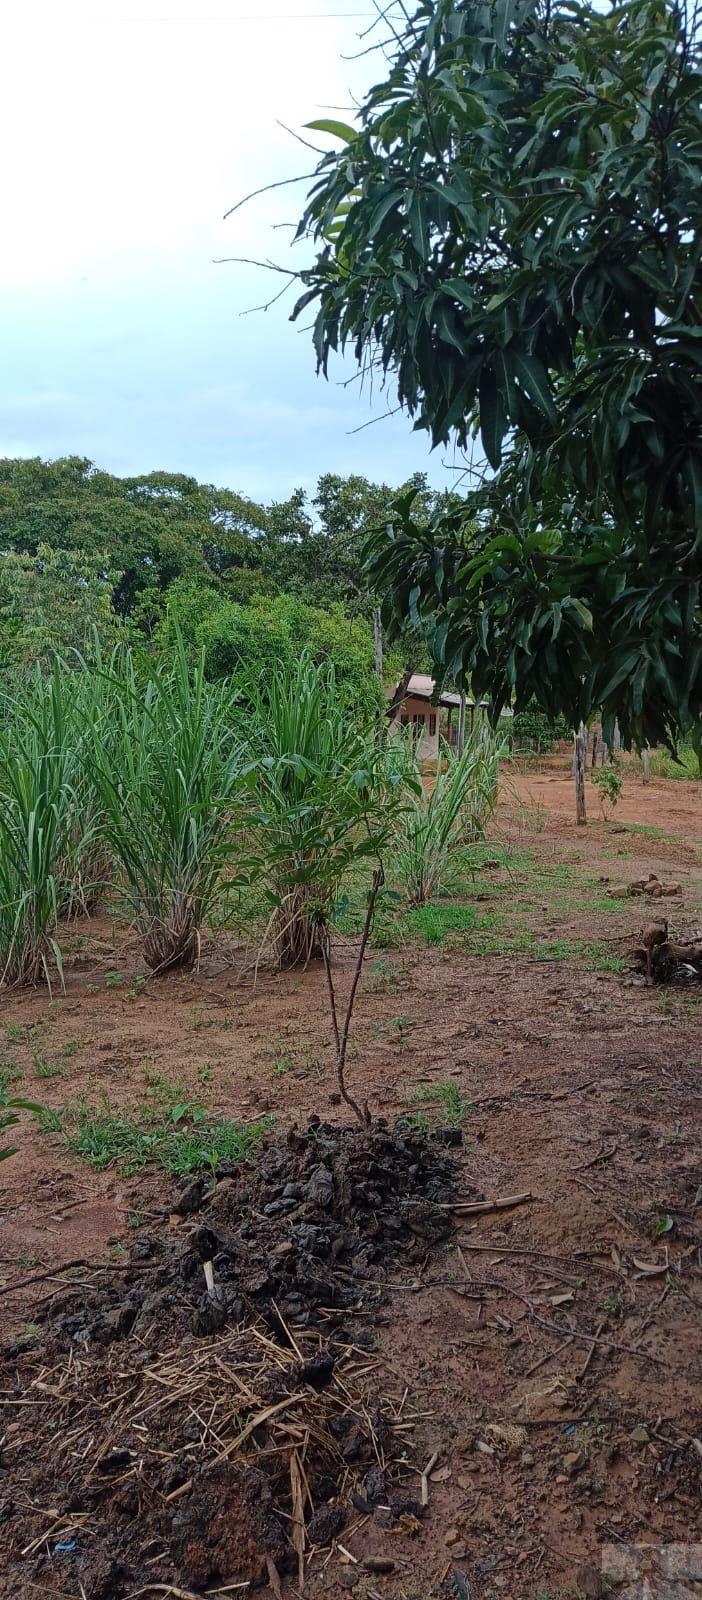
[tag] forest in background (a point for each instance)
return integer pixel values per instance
(85, 554)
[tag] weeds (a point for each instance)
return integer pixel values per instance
(189, 1143)
(446, 1097)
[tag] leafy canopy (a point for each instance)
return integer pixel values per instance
(515, 234)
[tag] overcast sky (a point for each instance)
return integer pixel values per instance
(128, 129)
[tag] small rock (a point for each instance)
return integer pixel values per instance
(449, 1136)
(451, 1536)
(573, 1461)
(318, 1371)
(527, 1458)
(589, 1582)
(348, 1577)
(191, 1198)
(640, 1435)
(325, 1523)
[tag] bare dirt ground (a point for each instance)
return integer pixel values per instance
(550, 1352)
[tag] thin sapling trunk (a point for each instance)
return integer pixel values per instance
(341, 1035)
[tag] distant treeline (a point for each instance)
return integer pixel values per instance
(85, 553)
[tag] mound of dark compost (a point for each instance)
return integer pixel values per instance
(209, 1413)
(313, 1223)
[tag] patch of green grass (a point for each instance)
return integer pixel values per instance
(445, 1097)
(601, 958)
(50, 1121)
(283, 1065)
(383, 977)
(15, 1030)
(44, 1068)
(434, 923)
(613, 1304)
(646, 830)
(135, 987)
(9, 1074)
(555, 949)
(663, 765)
(195, 1142)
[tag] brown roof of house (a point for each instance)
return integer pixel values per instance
(422, 687)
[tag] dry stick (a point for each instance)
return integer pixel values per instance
(591, 1351)
(550, 1356)
(425, 1477)
(341, 1039)
(476, 1208)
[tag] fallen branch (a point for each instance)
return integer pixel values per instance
(477, 1208)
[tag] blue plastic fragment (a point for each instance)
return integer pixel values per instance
(70, 1546)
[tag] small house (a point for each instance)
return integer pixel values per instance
(431, 718)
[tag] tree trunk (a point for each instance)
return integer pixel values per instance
(580, 758)
(378, 641)
(595, 742)
(398, 699)
(646, 758)
(616, 738)
(461, 723)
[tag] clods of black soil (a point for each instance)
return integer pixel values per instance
(316, 1221)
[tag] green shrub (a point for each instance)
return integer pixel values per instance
(609, 782)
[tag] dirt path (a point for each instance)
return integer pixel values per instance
(554, 1349)
(668, 805)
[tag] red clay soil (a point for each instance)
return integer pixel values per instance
(551, 1351)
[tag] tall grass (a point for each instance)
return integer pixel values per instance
(453, 812)
(86, 867)
(323, 796)
(168, 780)
(36, 771)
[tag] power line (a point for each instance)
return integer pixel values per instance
(255, 16)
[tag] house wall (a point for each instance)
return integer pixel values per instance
(413, 707)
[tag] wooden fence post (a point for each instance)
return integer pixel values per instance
(646, 759)
(461, 723)
(580, 757)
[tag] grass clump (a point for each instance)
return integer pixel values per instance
(434, 924)
(445, 1098)
(182, 1141)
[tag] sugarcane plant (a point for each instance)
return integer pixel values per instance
(444, 815)
(168, 782)
(36, 773)
(324, 797)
